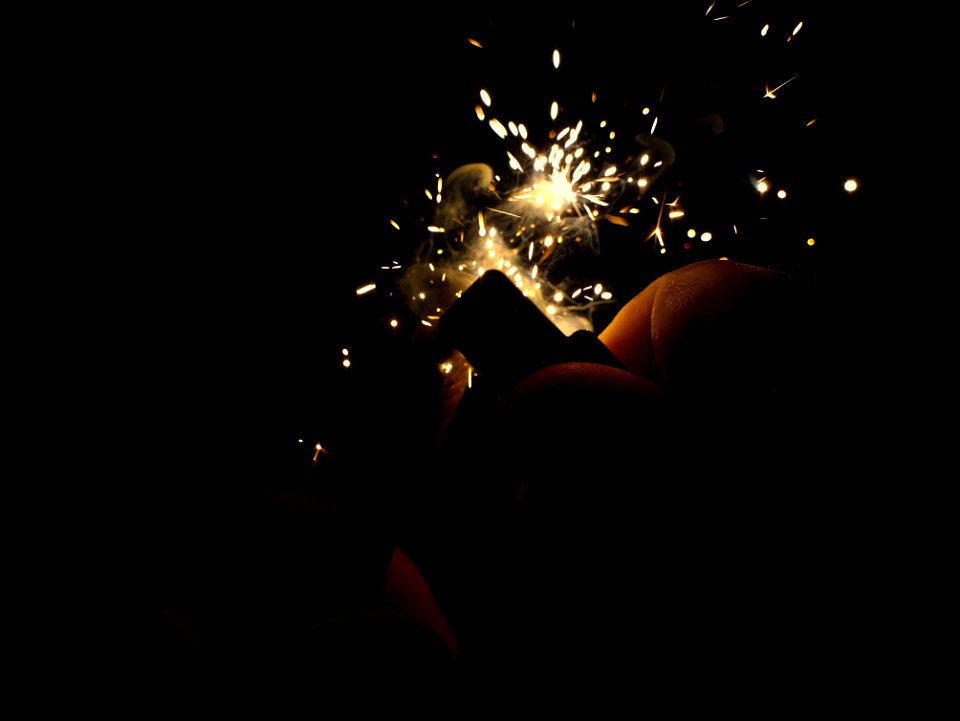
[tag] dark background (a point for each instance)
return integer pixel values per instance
(277, 146)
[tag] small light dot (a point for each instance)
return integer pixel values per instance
(850, 185)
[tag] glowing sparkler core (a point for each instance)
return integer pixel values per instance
(555, 192)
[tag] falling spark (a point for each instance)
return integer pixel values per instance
(556, 58)
(773, 93)
(485, 97)
(366, 288)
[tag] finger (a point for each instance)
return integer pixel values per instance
(721, 332)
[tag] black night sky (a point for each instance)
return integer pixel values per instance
(286, 141)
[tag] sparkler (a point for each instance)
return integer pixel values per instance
(546, 198)
(546, 206)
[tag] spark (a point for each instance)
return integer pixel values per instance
(773, 93)
(366, 288)
(556, 59)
